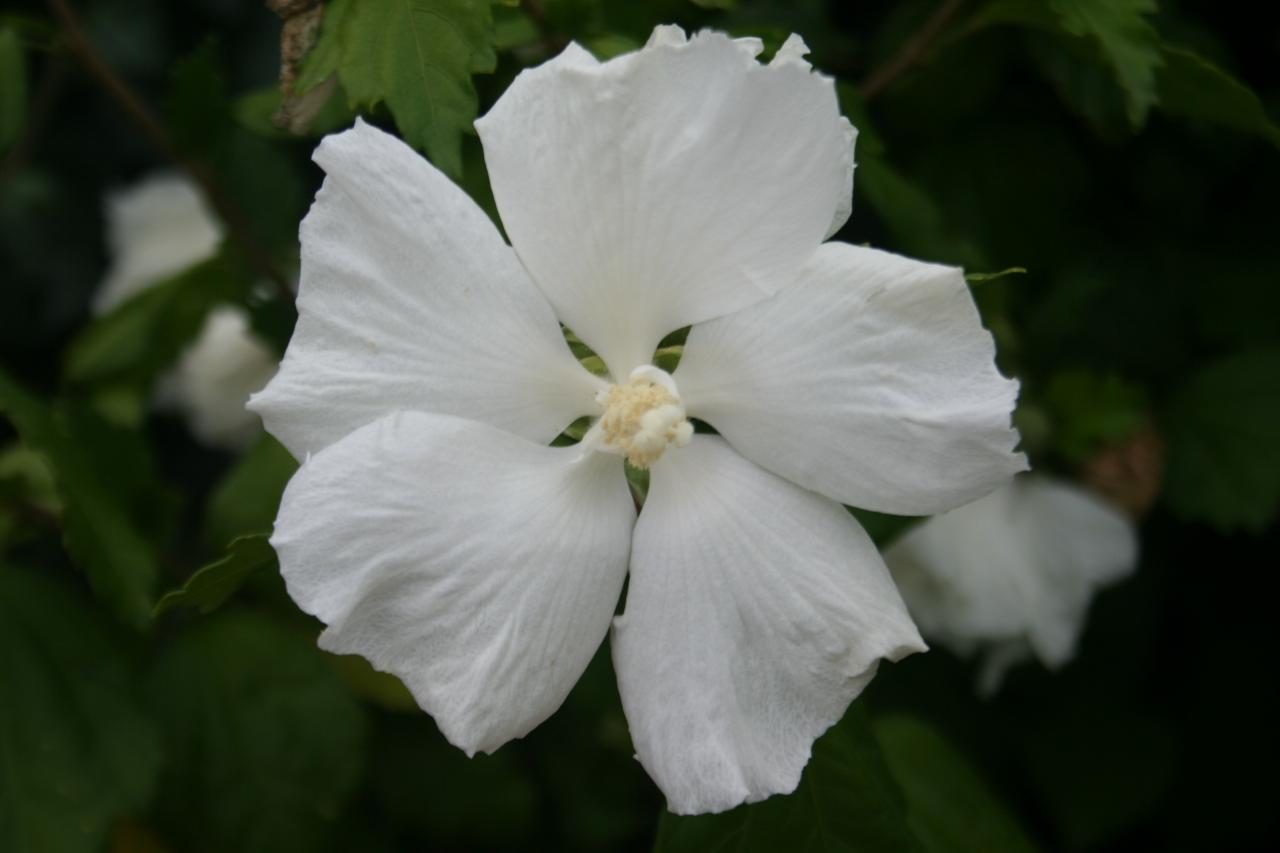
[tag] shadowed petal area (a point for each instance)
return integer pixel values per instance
(756, 612)
(480, 568)
(871, 381)
(410, 299)
(1013, 573)
(666, 186)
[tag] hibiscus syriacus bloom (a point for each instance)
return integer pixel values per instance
(156, 229)
(436, 533)
(1010, 576)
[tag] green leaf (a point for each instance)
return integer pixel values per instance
(133, 344)
(1118, 28)
(264, 743)
(1128, 41)
(246, 500)
(949, 807)
(98, 530)
(76, 753)
(213, 584)
(1194, 88)
(417, 57)
(1224, 459)
(846, 801)
(13, 89)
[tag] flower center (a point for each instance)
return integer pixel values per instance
(642, 416)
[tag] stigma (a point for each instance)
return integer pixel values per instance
(642, 417)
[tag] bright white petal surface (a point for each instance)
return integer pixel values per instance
(1016, 568)
(756, 612)
(155, 228)
(666, 186)
(215, 376)
(871, 381)
(480, 568)
(410, 299)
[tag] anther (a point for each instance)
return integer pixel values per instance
(642, 416)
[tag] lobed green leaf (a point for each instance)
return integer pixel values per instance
(415, 56)
(1120, 29)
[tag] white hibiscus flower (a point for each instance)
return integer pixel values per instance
(155, 228)
(435, 532)
(158, 228)
(1011, 576)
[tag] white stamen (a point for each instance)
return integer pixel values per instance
(642, 417)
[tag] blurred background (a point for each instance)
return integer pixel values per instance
(1116, 160)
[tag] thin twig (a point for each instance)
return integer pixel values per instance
(912, 53)
(237, 227)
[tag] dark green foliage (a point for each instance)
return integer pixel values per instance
(1192, 87)
(950, 808)
(245, 501)
(263, 745)
(101, 534)
(76, 751)
(1224, 460)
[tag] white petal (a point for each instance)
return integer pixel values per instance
(1017, 567)
(409, 299)
(844, 201)
(214, 377)
(667, 34)
(665, 186)
(871, 381)
(792, 52)
(156, 228)
(756, 612)
(480, 568)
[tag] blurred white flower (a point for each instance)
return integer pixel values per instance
(158, 228)
(215, 376)
(155, 228)
(436, 533)
(1010, 576)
